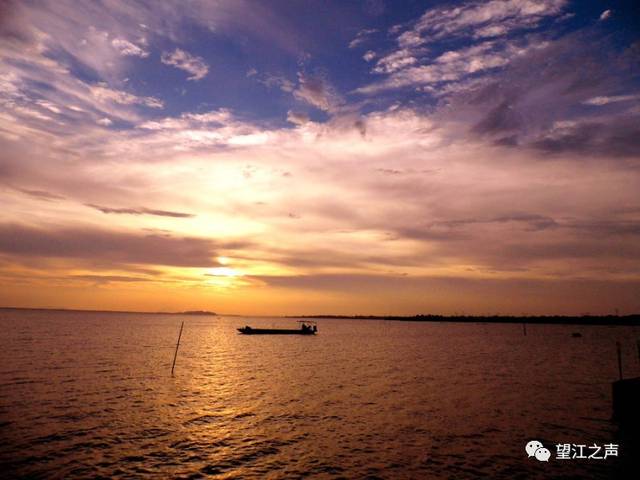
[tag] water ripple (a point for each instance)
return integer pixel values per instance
(94, 398)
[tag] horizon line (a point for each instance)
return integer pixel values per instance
(333, 315)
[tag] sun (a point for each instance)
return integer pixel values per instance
(224, 272)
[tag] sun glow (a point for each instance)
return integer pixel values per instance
(224, 272)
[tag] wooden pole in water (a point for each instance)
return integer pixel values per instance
(619, 359)
(524, 329)
(638, 345)
(175, 355)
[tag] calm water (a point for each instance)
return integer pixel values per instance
(86, 395)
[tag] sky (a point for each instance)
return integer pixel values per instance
(321, 157)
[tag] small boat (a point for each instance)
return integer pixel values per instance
(306, 328)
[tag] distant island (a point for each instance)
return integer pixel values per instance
(633, 319)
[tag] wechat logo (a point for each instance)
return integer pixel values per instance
(535, 449)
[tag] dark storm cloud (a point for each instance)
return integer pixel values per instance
(139, 211)
(109, 246)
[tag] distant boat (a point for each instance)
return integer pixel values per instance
(306, 328)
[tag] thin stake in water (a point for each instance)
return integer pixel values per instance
(175, 355)
(524, 329)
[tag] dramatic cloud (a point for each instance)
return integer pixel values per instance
(507, 108)
(192, 64)
(482, 152)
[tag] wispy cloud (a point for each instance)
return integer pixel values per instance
(483, 31)
(103, 93)
(605, 15)
(362, 37)
(480, 19)
(192, 64)
(278, 81)
(605, 100)
(395, 61)
(127, 48)
(41, 194)
(106, 279)
(316, 91)
(140, 211)
(297, 118)
(369, 55)
(451, 66)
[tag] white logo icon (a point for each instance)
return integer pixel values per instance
(535, 449)
(532, 446)
(543, 454)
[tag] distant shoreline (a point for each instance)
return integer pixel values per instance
(629, 320)
(633, 319)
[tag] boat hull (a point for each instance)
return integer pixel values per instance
(274, 331)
